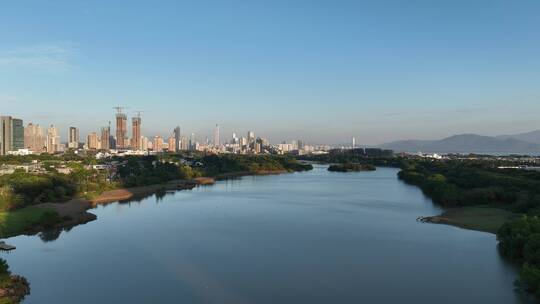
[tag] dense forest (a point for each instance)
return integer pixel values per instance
(148, 170)
(461, 183)
(213, 165)
(22, 189)
(343, 157)
(456, 183)
(519, 240)
(351, 167)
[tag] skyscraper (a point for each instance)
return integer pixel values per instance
(353, 142)
(250, 136)
(171, 146)
(18, 134)
(184, 143)
(11, 134)
(53, 139)
(92, 141)
(6, 134)
(216, 136)
(73, 141)
(34, 139)
(144, 143)
(105, 138)
(136, 132)
(176, 139)
(158, 144)
(121, 128)
(192, 143)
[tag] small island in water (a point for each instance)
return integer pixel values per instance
(350, 167)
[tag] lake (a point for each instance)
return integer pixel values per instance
(311, 237)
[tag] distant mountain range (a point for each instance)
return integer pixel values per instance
(532, 137)
(472, 143)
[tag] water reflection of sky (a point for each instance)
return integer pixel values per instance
(314, 237)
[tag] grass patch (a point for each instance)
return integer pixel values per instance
(22, 220)
(485, 219)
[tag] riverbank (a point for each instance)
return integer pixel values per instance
(37, 218)
(33, 219)
(288, 210)
(486, 219)
(13, 288)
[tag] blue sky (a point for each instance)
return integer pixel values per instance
(321, 71)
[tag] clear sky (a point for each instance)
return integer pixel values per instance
(322, 71)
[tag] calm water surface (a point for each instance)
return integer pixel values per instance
(315, 237)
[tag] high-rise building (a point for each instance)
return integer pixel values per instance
(250, 136)
(105, 138)
(73, 141)
(353, 142)
(11, 134)
(184, 143)
(177, 139)
(243, 142)
(136, 133)
(192, 142)
(171, 146)
(216, 136)
(121, 129)
(144, 143)
(6, 134)
(18, 134)
(158, 144)
(34, 139)
(53, 140)
(92, 141)
(112, 142)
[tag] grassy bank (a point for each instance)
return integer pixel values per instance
(485, 219)
(25, 220)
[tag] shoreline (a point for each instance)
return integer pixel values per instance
(477, 218)
(74, 212)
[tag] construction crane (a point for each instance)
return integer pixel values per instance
(119, 109)
(139, 112)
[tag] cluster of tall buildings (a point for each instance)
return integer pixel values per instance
(17, 139)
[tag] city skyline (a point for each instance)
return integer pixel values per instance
(312, 70)
(18, 139)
